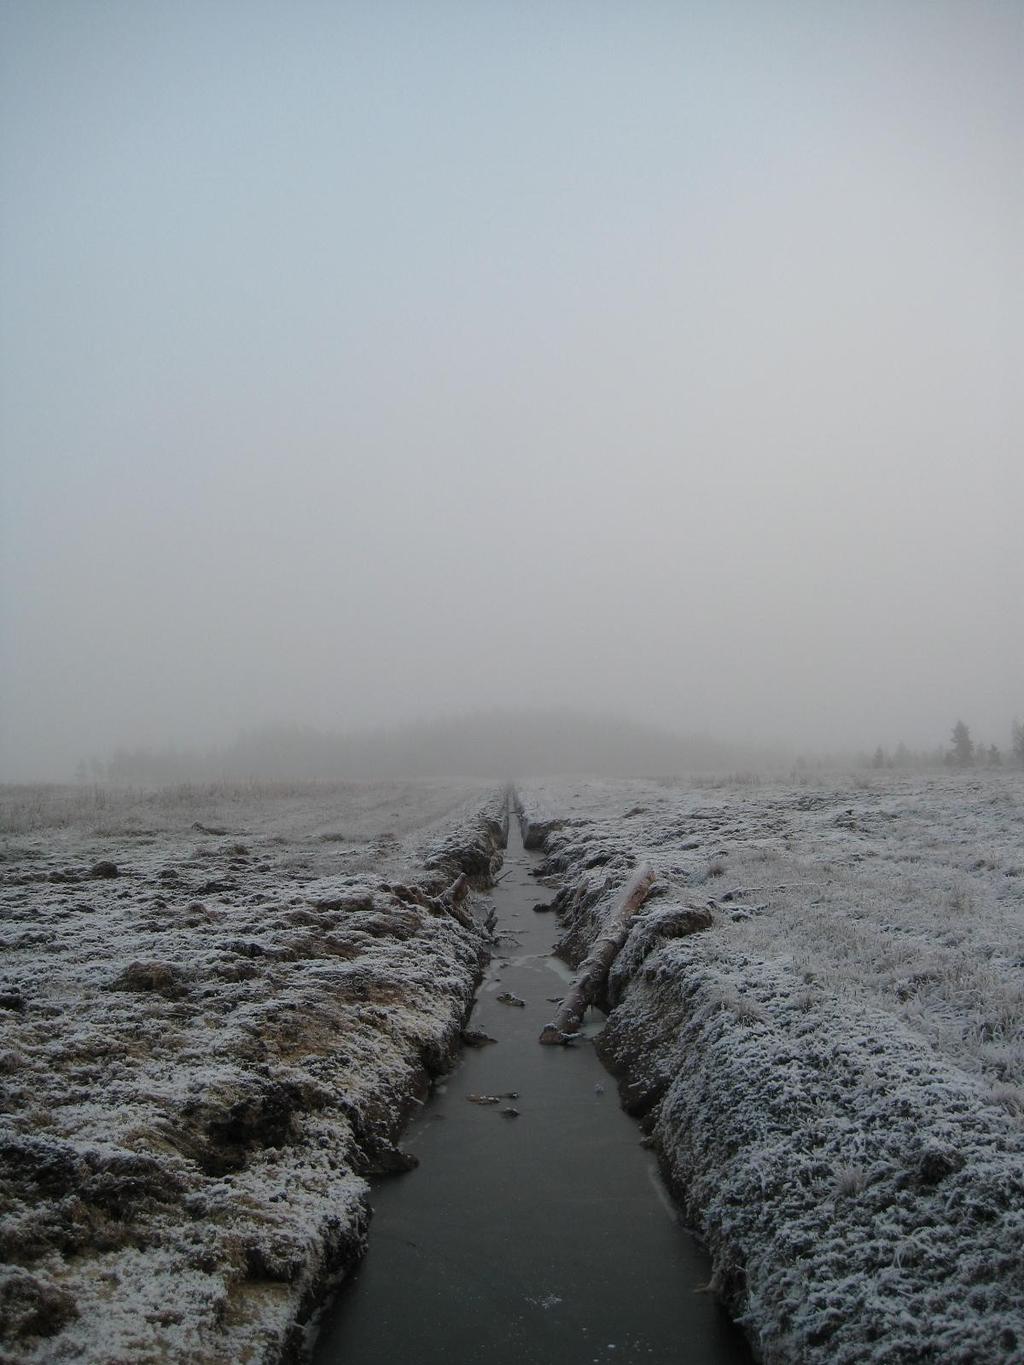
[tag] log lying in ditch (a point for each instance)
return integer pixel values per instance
(594, 969)
(449, 902)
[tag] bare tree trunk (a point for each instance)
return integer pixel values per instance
(593, 971)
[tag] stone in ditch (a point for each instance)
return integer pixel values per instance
(473, 1037)
(393, 1161)
(541, 908)
(510, 1111)
(507, 998)
(103, 869)
(484, 1099)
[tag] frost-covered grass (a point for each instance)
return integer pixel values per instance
(202, 1057)
(834, 1069)
(301, 810)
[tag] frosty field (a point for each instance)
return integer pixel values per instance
(218, 1006)
(203, 1056)
(833, 1068)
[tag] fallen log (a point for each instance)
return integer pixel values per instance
(593, 971)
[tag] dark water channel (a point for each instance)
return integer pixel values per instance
(542, 1239)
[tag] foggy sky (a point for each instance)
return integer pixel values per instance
(361, 362)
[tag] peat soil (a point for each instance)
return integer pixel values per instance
(533, 1237)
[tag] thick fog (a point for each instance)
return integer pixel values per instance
(369, 362)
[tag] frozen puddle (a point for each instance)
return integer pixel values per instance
(542, 1239)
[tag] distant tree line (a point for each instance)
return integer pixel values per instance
(963, 752)
(505, 745)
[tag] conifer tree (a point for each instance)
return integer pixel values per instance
(963, 745)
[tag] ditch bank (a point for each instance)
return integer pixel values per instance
(196, 1093)
(858, 1199)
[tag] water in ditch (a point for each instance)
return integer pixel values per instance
(543, 1238)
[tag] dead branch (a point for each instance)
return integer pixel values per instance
(449, 902)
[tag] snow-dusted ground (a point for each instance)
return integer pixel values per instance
(833, 1070)
(202, 1057)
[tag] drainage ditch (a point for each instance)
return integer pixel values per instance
(536, 1230)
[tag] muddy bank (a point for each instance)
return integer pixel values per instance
(215, 1016)
(854, 1168)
